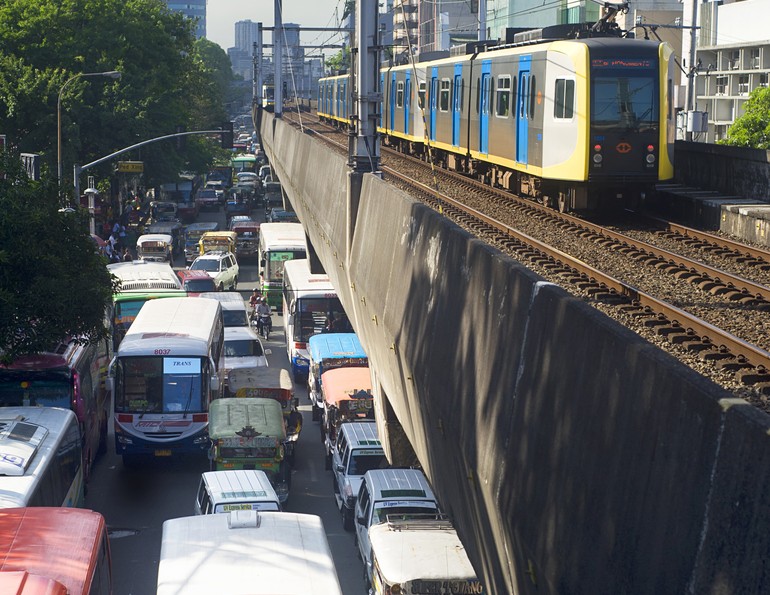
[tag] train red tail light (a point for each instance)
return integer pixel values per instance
(597, 148)
(650, 148)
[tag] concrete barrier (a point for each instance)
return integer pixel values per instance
(574, 456)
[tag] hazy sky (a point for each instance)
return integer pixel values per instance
(221, 16)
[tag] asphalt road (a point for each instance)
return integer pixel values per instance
(135, 502)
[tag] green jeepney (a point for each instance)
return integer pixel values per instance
(249, 433)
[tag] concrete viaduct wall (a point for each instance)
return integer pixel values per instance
(573, 456)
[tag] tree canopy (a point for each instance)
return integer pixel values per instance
(168, 80)
(53, 283)
(752, 129)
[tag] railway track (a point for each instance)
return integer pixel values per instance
(732, 350)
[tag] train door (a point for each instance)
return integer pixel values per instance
(407, 101)
(392, 124)
(382, 101)
(433, 102)
(457, 104)
(485, 91)
(522, 109)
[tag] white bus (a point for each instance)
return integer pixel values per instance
(139, 281)
(246, 552)
(41, 457)
(165, 373)
(278, 242)
(310, 306)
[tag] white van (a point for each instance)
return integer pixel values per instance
(420, 556)
(387, 495)
(246, 552)
(223, 491)
(234, 311)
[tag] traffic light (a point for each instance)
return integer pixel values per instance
(227, 135)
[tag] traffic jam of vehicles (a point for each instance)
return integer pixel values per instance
(185, 372)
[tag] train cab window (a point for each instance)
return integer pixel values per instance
(400, 94)
(421, 94)
(444, 95)
(503, 96)
(564, 99)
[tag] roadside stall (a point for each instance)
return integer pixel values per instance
(156, 247)
(249, 433)
(270, 383)
(347, 397)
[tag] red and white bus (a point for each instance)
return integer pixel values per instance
(52, 551)
(71, 376)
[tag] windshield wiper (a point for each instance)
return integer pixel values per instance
(189, 399)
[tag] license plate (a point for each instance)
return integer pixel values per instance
(162, 453)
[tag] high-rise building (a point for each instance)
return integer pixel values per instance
(246, 35)
(193, 9)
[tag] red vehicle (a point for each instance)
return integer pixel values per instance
(196, 282)
(70, 376)
(52, 551)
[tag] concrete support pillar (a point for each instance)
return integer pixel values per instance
(278, 58)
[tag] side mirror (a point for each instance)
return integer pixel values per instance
(214, 383)
(110, 385)
(341, 468)
(361, 520)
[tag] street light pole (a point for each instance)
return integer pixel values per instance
(113, 74)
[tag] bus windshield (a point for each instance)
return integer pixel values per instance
(319, 315)
(160, 385)
(37, 389)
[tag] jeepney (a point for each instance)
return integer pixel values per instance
(328, 351)
(192, 237)
(249, 433)
(217, 240)
(247, 243)
(270, 383)
(155, 247)
(172, 228)
(347, 397)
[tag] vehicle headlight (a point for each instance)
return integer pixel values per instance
(597, 158)
(650, 159)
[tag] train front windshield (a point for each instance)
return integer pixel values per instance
(160, 385)
(624, 95)
(36, 389)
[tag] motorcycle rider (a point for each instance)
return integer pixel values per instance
(263, 313)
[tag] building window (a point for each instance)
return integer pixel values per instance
(721, 85)
(564, 99)
(400, 94)
(734, 59)
(743, 84)
(754, 58)
(762, 80)
(719, 131)
(503, 96)
(444, 95)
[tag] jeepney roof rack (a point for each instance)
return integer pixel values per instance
(403, 522)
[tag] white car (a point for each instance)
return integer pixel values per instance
(243, 349)
(220, 266)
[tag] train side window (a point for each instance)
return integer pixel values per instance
(400, 94)
(444, 95)
(532, 95)
(523, 96)
(669, 98)
(421, 94)
(503, 96)
(478, 94)
(564, 99)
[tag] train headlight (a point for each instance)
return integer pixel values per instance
(597, 158)
(650, 159)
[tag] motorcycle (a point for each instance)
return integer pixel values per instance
(264, 324)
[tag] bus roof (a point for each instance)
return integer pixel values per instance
(335, 346)
(202, 226)
(228, 416)
(183, 325)
(143, 275)
(273, 236)
(246, 552)
(244, 157)
(420, 550)
(27, 437)
(298, 279)
(59, 544)
(260, 377)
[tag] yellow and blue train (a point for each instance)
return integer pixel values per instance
(581, 124)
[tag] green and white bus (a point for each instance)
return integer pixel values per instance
(278, 242)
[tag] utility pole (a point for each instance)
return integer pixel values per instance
(690, 99)
(482, 20)
(278, 58)
(366, 94)
(260, 51)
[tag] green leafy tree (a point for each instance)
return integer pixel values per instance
(339, 61)
(53, 284)
(752, 129)
(166, 82)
